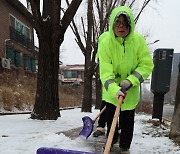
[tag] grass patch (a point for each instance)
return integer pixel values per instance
(20, 94)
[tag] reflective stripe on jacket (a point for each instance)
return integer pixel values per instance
(123, 58)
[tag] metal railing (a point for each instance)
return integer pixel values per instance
(20, 38)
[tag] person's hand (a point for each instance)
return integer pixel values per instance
(119, 93)
(125, 83)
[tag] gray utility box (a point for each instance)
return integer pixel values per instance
(161, 75)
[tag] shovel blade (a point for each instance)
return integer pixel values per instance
(44, 150)
(87, 127)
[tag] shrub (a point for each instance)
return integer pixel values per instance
(17, 93)
(24, 99)
(20, 93)
(145, 107)
(70, 96)
(7, 98)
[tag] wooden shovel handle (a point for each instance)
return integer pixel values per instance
(113, 126)
(100, 113)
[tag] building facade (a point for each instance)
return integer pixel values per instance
(17, 51)
(70, 74)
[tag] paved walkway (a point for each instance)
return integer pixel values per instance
(95, 142)
(98, 143)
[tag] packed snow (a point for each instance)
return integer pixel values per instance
(21, 135)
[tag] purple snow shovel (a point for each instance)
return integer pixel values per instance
(89, 123)
(45, 150)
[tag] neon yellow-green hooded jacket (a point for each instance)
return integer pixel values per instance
(123, 58)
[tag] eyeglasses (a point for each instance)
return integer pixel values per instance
(119, 23)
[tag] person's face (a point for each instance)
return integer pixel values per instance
(120, 27)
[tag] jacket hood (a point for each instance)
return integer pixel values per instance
(116, 12)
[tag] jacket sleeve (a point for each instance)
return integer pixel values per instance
(106, 70)
(145, 64)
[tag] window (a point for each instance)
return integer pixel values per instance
(67, 74)
(29, 63)
(33, 65)
(10, 55)
(12, 22)
(17, 59)
(20, 32)
(19, 27)
(74, 74)
(70, 74)
(14, 56)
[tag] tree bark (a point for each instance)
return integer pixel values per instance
(175, 124)
(50, 31)
(47, 99)
(98, 90)
(87, 98)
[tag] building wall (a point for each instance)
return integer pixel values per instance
(5, 11)
(4, 30)
(79, 69)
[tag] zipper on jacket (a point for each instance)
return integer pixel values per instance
(124, 45)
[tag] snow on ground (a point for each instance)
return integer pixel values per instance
(21, 135)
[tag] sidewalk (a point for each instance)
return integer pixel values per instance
(150, 137)
(95, 142)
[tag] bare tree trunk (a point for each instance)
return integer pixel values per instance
(98, 90)
(47, 99)
(50, 29)
(47, 94)
(175, 124)
(51, 35)
(87, 99)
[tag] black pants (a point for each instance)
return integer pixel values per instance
(126, 124)
(102, 119)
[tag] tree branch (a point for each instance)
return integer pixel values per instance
(69, 15)
(78, 38)
(123, 2)
(37, 19)
(143, 7)
(132, 3)
(76, 33)
(84, 32)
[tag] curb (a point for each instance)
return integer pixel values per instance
(29, 112)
